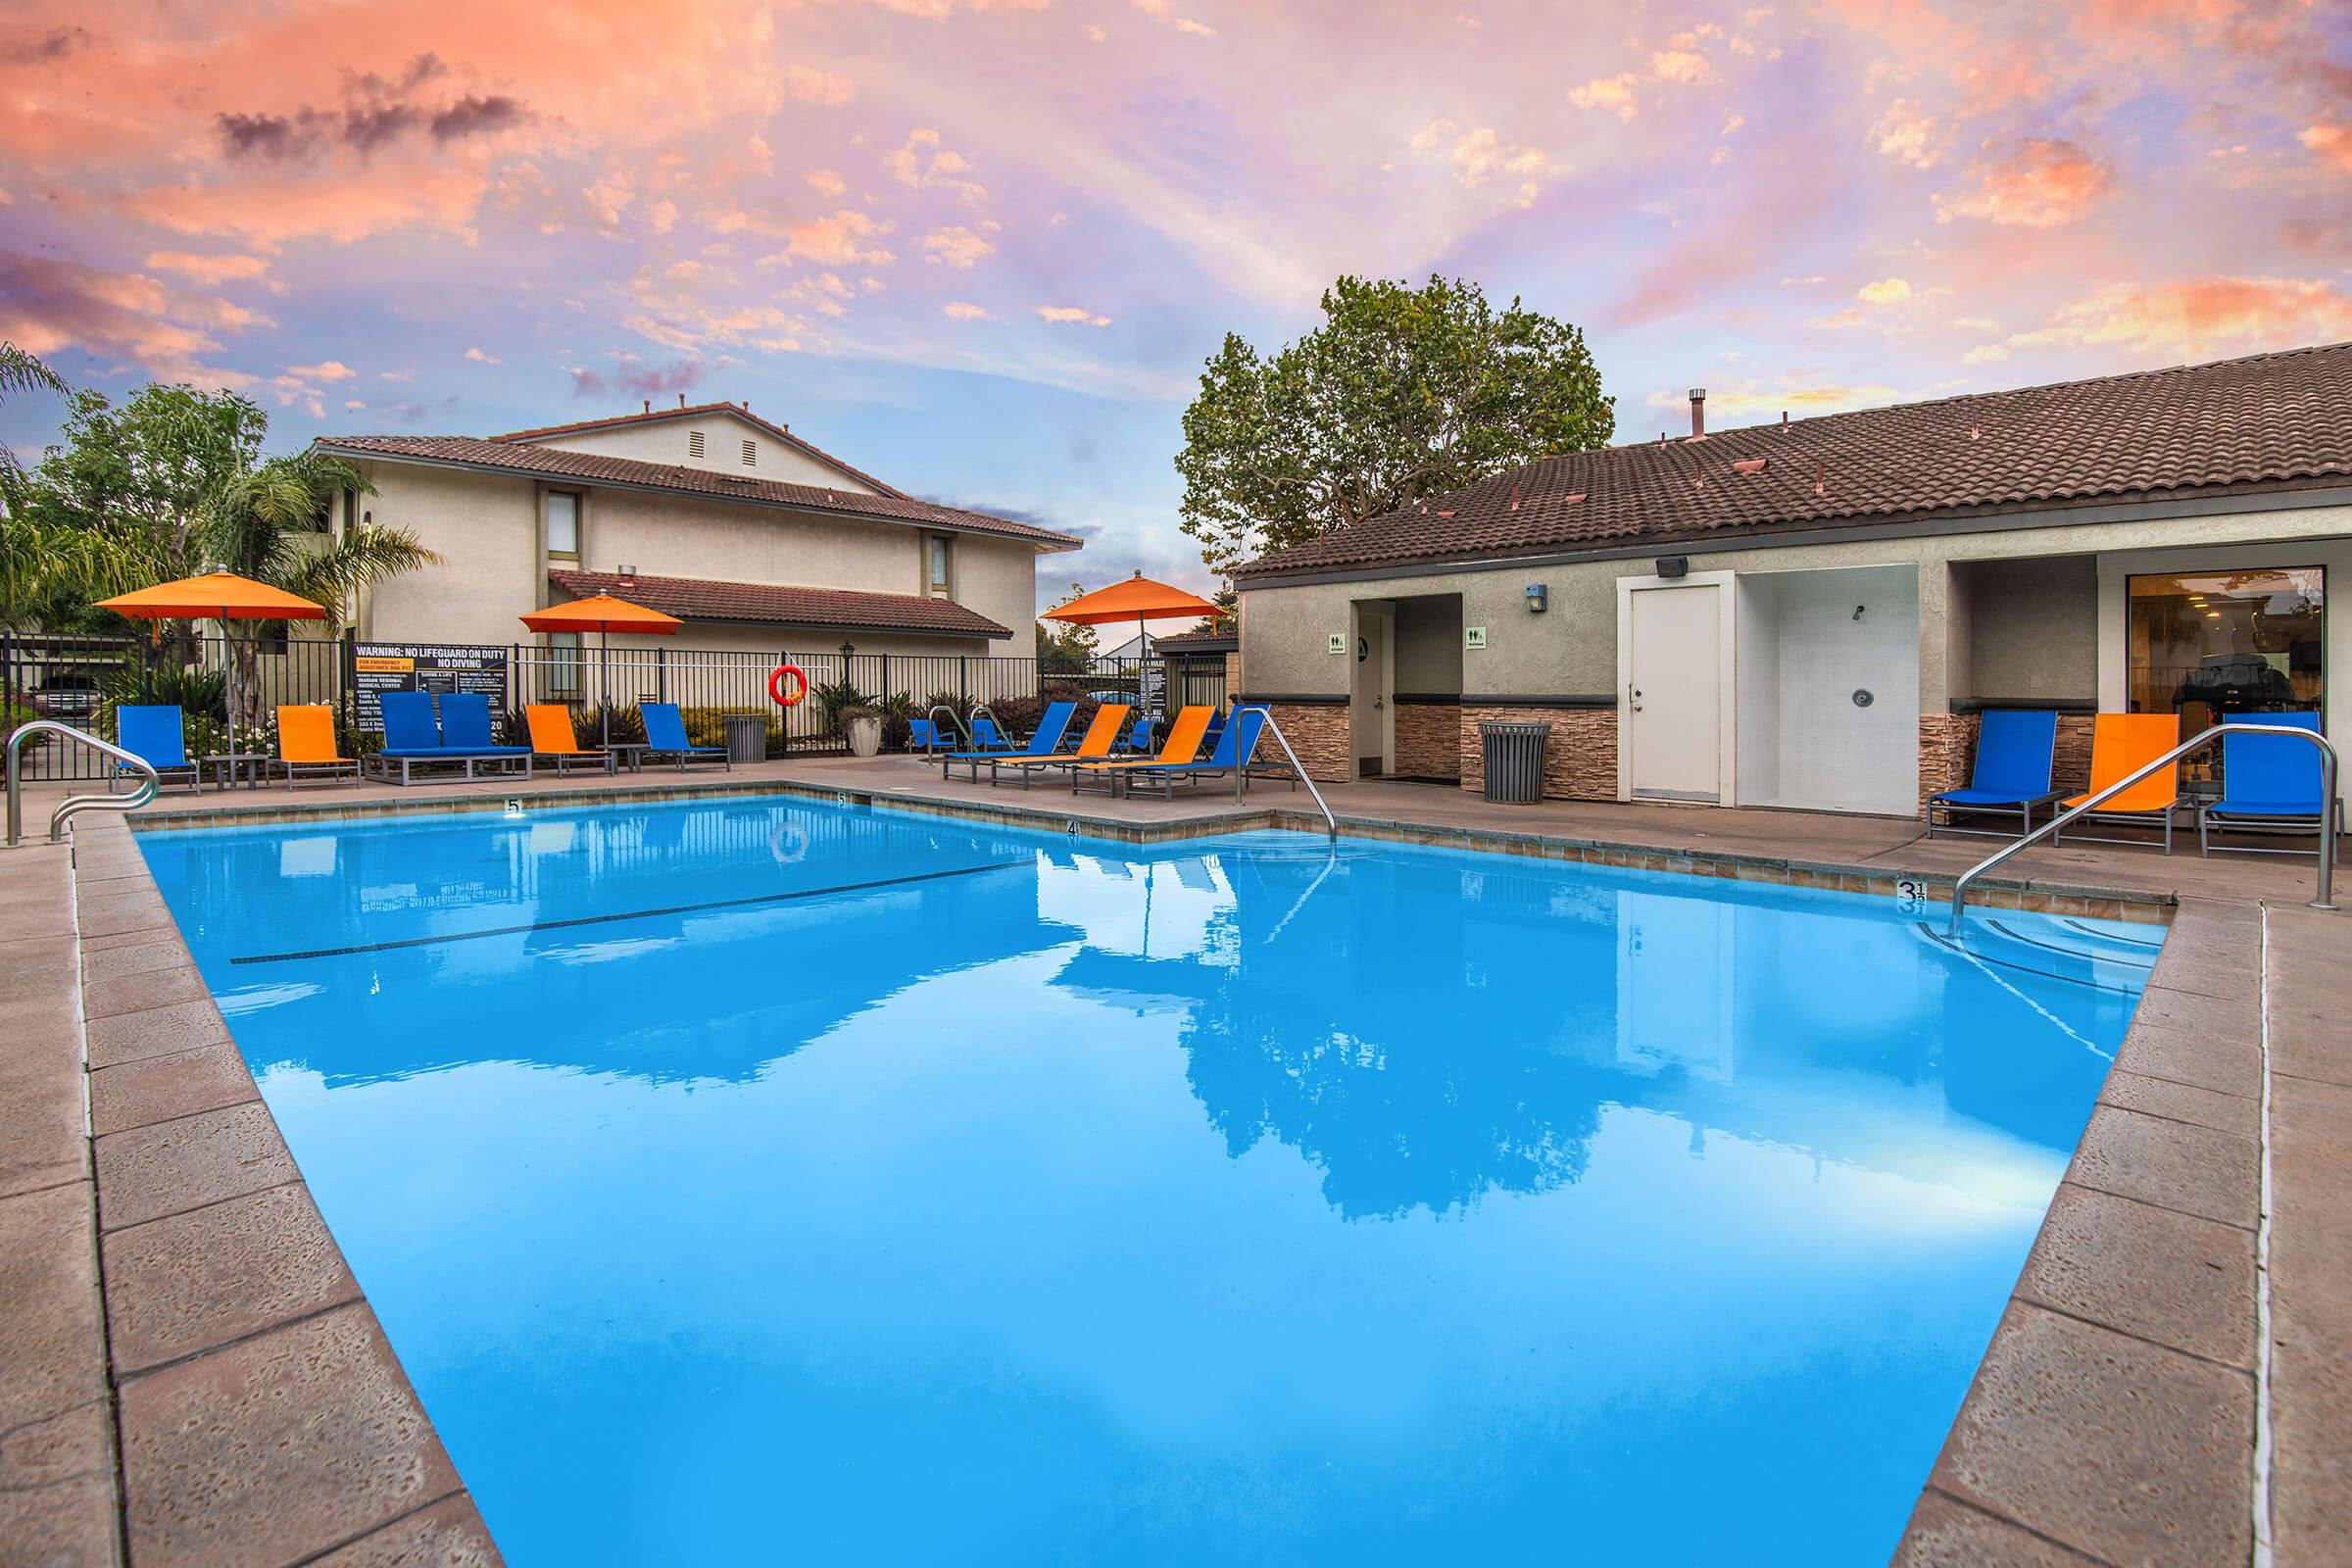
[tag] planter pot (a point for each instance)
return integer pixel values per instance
(865, 736)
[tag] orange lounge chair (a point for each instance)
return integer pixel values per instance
(2121, 744)
(1184, 744)
(552, 739)
(306, 746)
(1101, 734)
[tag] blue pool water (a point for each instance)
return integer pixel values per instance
(744, 1181)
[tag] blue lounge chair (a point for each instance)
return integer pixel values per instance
(665, 737)
(1237, 744)
(923, 734)
(1045, 742)
(2271, 783)
(2014, 751)
(156, 736)
(459, 738)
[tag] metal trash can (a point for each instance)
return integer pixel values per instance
(1514, 759)
(747, 737)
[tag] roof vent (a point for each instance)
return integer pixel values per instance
(1751, 464)
(681, 400)
(649, 405)
(1698, 414)
(1514, 498)
(626, 571)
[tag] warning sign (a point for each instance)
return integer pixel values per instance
(380, 667)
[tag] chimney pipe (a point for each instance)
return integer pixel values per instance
(1698, 413)
(681, 400)
(649, 405)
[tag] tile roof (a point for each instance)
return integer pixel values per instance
(768, 604)
(2270, 421)
(652, 416)
(588, 467)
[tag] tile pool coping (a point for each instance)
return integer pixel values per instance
(259, 1414)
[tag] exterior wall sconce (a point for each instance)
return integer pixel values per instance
(1536, 598)
(1671, 567)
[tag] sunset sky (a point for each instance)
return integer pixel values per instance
(981, 247)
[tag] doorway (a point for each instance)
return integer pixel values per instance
(1372, 696)
(1674, 670)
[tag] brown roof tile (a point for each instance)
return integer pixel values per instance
(684, 412)
(2271, 421)
(768, 604)
(588, 467)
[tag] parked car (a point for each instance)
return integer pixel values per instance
(66, 694)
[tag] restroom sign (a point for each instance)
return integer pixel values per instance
(1339, 643)
(1473, 636)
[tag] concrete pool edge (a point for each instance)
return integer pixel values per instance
(259, 1414)
(2049, 1486)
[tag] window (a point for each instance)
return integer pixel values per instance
(750, 453)
(564, 663)
(935, 580)
(563, 525)
(694, 443)
(2214, 645)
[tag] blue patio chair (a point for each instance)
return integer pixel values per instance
(2270, 783)
(414, 737)
(1139, 739)
(156, 736)
(1045, 741)
(2015, 748)
(988, 737)
(923, 734)
(665, 737)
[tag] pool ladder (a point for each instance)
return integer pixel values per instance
(149, 784)
(2324, 899)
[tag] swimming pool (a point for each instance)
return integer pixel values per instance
(745, 1180)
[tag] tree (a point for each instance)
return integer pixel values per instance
(23, 563)
(1402, 392)
(1063, 648)
(170, 484)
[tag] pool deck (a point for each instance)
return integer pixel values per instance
(190, 1373)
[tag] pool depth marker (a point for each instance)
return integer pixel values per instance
(632, 914)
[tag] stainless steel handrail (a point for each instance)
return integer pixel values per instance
(971, 741)
(149, 783)
(2327, 809)
(1241, 770)
(954, 723)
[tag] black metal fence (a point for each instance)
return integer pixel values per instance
(81, 680)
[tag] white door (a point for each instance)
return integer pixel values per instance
(1673, 733)
(1372, 705)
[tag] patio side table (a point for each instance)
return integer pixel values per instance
(226, 766)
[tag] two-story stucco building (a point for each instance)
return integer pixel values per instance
(755, 537)
(1813, 613)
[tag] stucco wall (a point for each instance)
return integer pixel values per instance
(722, 450)
(2032, 627)
(486, 527)
(1429, 650)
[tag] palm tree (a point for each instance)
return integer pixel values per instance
(21, 371)
(263, 524)
(26, 564)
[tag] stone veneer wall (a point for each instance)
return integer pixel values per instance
(1318, 733)
(1429, 739)
(1947, 752)
(1580, 762)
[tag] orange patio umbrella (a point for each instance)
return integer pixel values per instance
(1139, 599)
(602, 614)
(221, 596)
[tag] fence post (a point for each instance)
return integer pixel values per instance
(963, 681)
(883, 696)
(347, 679)
(661, 675)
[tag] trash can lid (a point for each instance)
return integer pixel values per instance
(1514, 726)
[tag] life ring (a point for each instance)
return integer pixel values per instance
(776, 685)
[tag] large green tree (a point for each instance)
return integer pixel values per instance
(1402, 392)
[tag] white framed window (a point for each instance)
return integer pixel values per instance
(939, 562)
(695, 445)
(750, 453)
(563, 525)
(563, 663)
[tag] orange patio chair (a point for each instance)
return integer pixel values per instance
(1101, 734)
(306, 746)
(1184, 744)
(553, 739)
(2121, 744)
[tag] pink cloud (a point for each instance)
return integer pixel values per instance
(2041, 185)
(47, 306)
(2191, 319)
